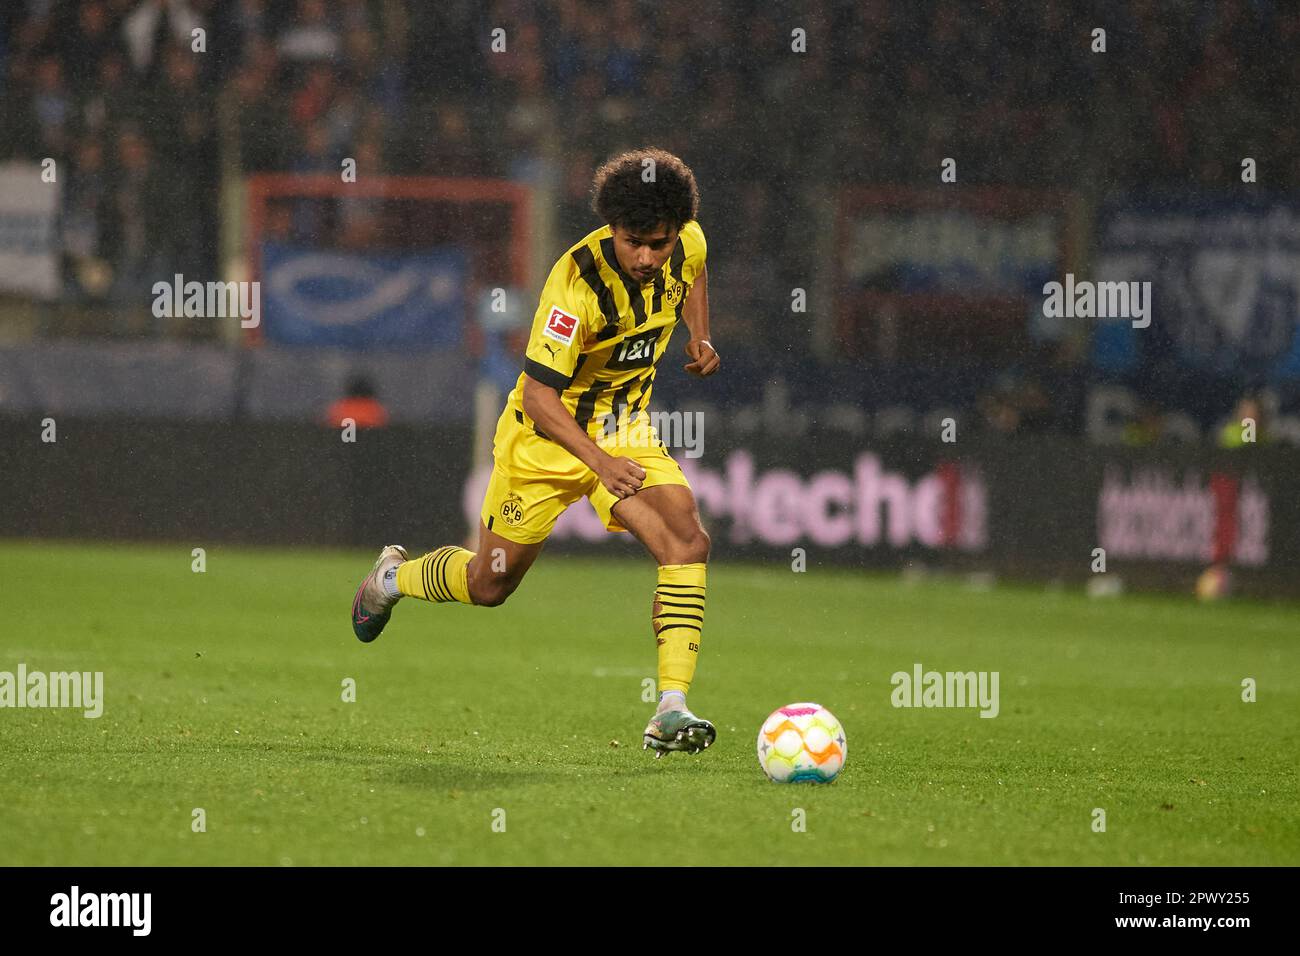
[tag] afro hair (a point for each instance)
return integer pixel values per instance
(642, 188)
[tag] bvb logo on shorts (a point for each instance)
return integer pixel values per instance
(673, 293)
(512, 509)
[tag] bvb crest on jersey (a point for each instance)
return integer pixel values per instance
(673, 292)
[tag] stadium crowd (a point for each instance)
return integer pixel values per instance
(145, 126)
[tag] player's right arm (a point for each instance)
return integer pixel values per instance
(566, 318)
(622, 476)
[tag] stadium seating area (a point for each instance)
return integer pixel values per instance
(411, 87)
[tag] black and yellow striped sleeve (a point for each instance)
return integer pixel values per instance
(561, 327)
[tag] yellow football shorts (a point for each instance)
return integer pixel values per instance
(534, 479)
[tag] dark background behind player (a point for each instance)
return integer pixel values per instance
(862, 298)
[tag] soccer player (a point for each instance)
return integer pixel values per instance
(576, 424)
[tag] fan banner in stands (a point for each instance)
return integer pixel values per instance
(313, 296)
(29, 248)
(1225, 285)
(925, 272)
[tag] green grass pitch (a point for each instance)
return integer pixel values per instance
(224, 692)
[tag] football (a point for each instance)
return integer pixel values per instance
(802, 743)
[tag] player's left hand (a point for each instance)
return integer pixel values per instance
(705, 357)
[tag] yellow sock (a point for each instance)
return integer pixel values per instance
(678, 618)
(438, 576)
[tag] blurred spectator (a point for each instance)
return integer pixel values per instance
(52, 108)
(142, 216)
(86, 213)
(154, 25)
(310, 37)
(111, 100)
(1247, 422)
(1148, 426)
(310, 214)
(183, 135)
(264, 136)
(1016, 404)
(452, 150)
(360, 405)
(361, 220)
(90, 41)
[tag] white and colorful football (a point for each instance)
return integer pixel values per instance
(802, 743)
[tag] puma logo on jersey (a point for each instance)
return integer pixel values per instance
(561, 326)
(552, 349)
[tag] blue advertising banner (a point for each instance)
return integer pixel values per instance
(408, 300)
(1225, 285)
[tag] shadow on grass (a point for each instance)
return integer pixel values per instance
(413, 767)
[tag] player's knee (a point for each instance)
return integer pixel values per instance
(491, 590)
(700, 545)
(488, 594)
(691, 549)
(492, 597)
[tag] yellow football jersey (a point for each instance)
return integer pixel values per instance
(599, 334)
